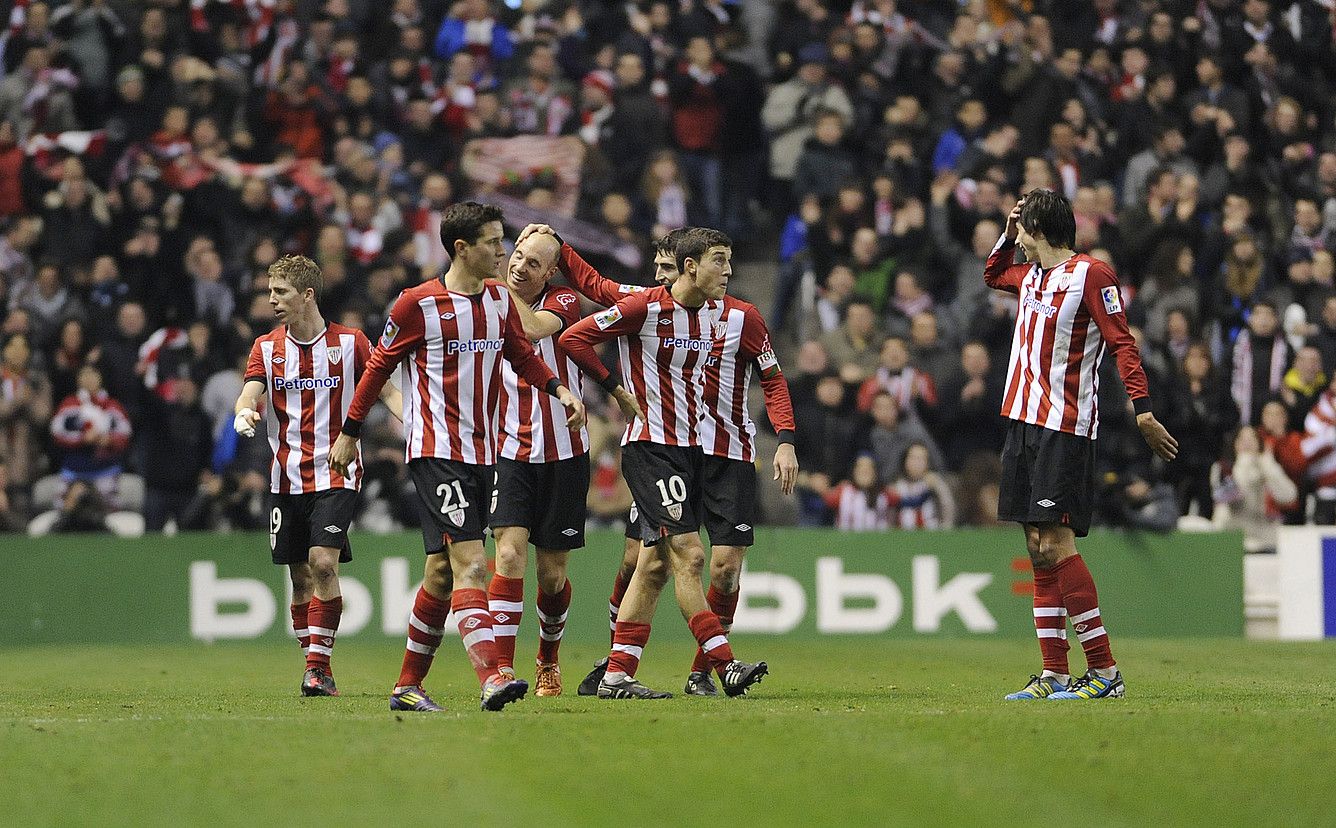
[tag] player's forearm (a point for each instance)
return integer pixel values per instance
(580, 342)
(1000, 261)
(369, 389)
(779, 407)
(588, 281)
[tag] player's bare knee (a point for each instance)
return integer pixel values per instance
(654, 570)
(725, 569)
(1047, 552)
(688, 557)
(438, 578)
(300, 574)
(551, 566)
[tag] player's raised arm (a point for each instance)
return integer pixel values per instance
(580, 340)
(536, 324)
(589, 282)
(1000, 271)
(1104, 302)
(775, 389)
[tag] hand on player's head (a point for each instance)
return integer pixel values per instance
(534, 228)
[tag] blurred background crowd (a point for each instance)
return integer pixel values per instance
(156, 156)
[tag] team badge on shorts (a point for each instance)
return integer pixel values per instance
(335, 354)
(456, 517)
(675, 511)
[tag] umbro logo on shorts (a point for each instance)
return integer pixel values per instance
(1046, 503)
(570, 533)
(742, 527)
(333, 529)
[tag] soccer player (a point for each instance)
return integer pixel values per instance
(1070, 308)
(727, 436)
(450, 335)
(312, 367)
(664, 341)
(542, 475)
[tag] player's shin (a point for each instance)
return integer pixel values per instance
(426, 626)
(552, 612)
(1050, 622)
(1082, 604)
(505, 600)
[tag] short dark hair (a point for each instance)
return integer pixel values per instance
(695, 242)
(464, 222)
(1049, 214)
(667, 243)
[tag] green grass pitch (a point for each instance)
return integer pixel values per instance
(853, 732)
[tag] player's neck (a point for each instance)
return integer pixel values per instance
(305, 329)
(687, 294)
(1053, 256)
(462, 280)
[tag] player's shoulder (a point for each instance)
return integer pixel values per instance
(276, 334)
(337, 329)
(561, 296)
(1094, 269)
(415, 293)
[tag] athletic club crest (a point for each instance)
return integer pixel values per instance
(456, 517)
(675, 511)
(335, 355)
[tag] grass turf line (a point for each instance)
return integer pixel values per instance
(848, 732)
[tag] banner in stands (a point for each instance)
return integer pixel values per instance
(1307, 562)
(806, 583)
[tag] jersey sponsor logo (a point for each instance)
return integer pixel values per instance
(305, 383)
(1039, 307)
(391, 331)
(335, 354)
(607, 318)
(472, 346)
(687, 344)
(1113, 303)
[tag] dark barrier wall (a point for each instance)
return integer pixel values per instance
(806, 583)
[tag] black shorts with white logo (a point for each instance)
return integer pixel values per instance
(548, 499)
(665, 482)
(1047, 477)
(633, 523)
(729, 500)
(298, 522)
(453, 498)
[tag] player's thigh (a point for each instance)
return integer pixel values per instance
(452, 500)
(665, 482)
(289, 528)
(1063, 481)
(562, 504)
(331, 514)
(1013, 491)
(728, 500)
(514, 497)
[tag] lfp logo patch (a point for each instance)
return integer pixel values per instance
(1113, 303)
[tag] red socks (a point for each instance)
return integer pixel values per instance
(628, 642)
(426, 625)
(505, 599)
(722, 604)
(710, 635)
(475, 630)
(615, 603)
(323, 625)
(552, 611)
(1050, 621)
(1082, 604)
(299, 612)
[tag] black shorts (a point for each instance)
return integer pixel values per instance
(1047, 477)
(298, 522)
(453, 499)
(729, 500)
(666, 484)
(633, 523)
(548, 499)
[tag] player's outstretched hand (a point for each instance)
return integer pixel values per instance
(244, 422)
(342, 453)
(575, 410)
(786, 467)
(1157, 436)
(534, 228)
(629, 405)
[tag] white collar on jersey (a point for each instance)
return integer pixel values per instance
(287, 331)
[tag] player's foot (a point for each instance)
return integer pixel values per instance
(628, 688)
(739, 675)
(1039, 687)
(589, 686)
(501, 689)
(317, 682)
(1093, 686)
(700, 684)
(548, 679)
(413, 698)
(508, 672)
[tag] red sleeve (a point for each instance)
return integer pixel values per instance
(363, 348)
(519, 350)
(580, 339)
(255, 365)
(403, 334)
(593, 286)
(1104, 301)
(564, 303)
(1000, 271)
(756, 345)
(866, 392)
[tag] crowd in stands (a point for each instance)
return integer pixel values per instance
(156, 156)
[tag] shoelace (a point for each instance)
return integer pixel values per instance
(1080, 684)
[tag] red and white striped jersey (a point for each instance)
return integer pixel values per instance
(741, 340)
(450, 346)
(533, 422)
(1066, 314)
(914, 505)
(1318, 443)
(310, 387)
(663, 347)
(856, 510)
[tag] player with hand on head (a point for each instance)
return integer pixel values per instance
(449, 336)
(1070, 308)
(309, 368)
(664, 340)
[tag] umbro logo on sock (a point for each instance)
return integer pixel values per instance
(333, 529)
(471, 623)
(502, 617)
(1046, 503)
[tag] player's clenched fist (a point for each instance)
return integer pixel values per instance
(244, 422)
(343, 452)
(629, 405)
(575, 410)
